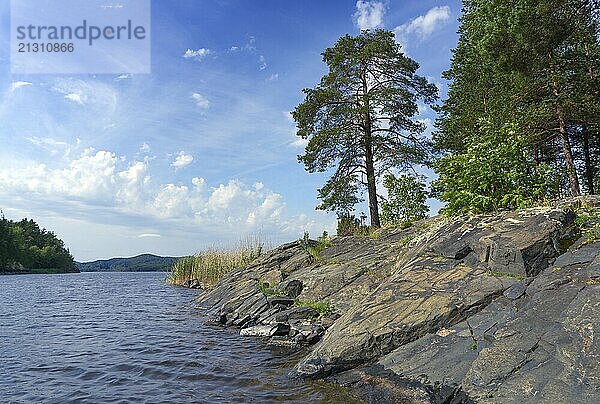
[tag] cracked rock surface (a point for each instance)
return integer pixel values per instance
(494, 308)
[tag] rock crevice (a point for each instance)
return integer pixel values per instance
(487, 308)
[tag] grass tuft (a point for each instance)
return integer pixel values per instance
(323, 308)
(208, 267)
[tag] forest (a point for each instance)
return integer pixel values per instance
(519, 127)
(27, 248)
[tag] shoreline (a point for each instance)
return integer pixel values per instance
(438, 311)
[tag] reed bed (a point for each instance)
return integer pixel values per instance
(206, 268)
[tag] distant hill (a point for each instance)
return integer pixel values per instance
(140, 263)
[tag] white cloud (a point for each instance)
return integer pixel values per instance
(133, 183)
(369, 14)
(297, 141)
(182, 160)
(101, 186)
(234, 49)
(263, 62)
(76, 97)
(300, 143)
(149, 235)
(273, 77)
(18, 84)
(88, 92)
(91, 176)
(200, 100)
(422, 26)
(52, 145)
(197, 54)
(145, 148)
(123, 77)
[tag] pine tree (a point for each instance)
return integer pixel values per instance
(360, 118)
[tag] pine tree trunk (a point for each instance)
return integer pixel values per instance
(371, 182)
(564, 136)
(369, 163)
(568, 156)
(589, 169)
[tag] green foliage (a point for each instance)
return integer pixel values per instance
(268, 290)
(24, 246)
(360, 119)
(208, 267)
(588, 221)
(406, 200)
(349, 225)
(494, 172)
(533, 63)
(315, 248)
(323, 308)
(406, 239)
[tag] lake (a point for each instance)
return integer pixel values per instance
(129, 337)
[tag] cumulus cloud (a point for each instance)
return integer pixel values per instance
(198, 54)
(200, 100)
(18, 84)
(369, 14)
(103, 181)
(89, 176)
(422, 26)
(182, 159)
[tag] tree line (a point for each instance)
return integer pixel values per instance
(520, 124)
(25, 246)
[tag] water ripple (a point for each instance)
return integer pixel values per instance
(129, 338)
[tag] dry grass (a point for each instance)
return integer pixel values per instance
(208, 267)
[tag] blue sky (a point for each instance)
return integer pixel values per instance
(201, 151)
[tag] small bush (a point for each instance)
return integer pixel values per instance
(315, 248)
(268, 290)
(588, 221)
(349, 225)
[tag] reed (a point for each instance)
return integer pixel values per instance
(206, 268)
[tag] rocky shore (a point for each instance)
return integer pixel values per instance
(494, 308)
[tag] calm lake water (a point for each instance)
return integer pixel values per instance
(129, 337)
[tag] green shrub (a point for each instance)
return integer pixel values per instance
(406, 200)
(495, 172)
(315, 248)
(268, 290)
(349, 225)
